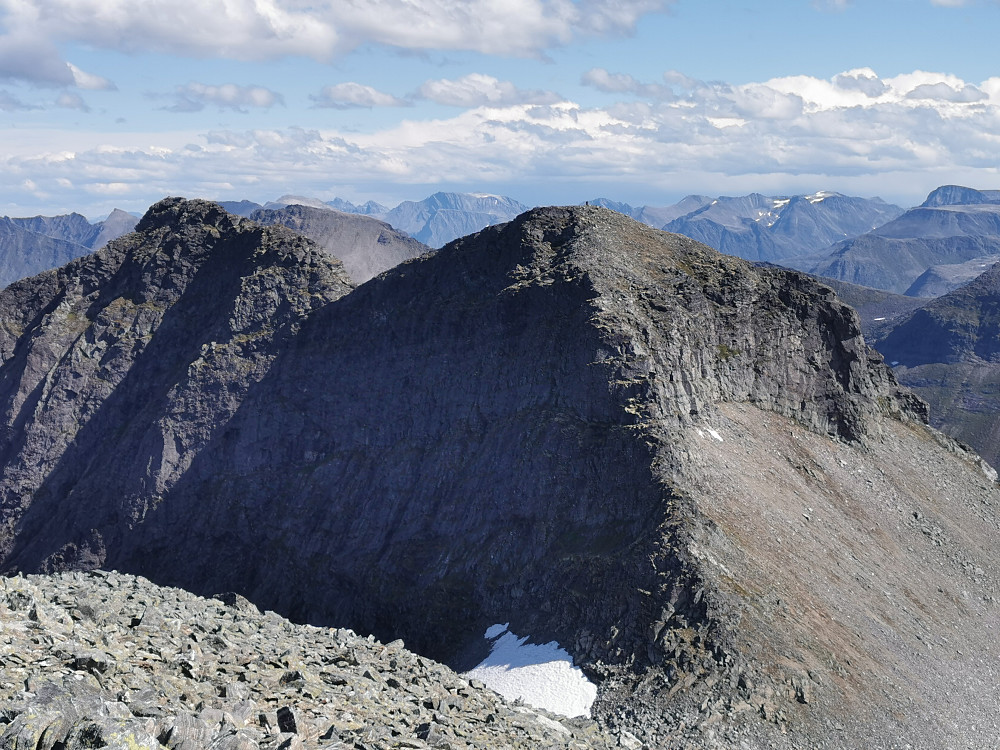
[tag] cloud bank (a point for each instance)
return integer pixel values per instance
(273, 29)
(899, 137)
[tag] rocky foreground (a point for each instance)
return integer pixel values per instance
(109, 660)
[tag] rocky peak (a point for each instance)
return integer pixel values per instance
(682, 468)
(956, 195)
(154, 340)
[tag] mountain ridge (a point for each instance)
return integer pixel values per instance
(603, 434)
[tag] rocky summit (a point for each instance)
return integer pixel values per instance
(691, 473)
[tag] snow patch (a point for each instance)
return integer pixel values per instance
(878, 318)
(541, 675)
(714, 434)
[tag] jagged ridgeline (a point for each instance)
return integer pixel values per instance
(692, 473)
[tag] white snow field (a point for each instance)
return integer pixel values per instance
(541, 675)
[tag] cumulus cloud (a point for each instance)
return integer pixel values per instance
(623, 83)
(259, 30)
(476, 90)
(194, 97)
(864, 80)
(27, 57)
(351, 95)
(946, 93)
(69, 100)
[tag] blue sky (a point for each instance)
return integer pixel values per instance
(116, 103)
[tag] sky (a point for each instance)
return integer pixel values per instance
(117, 103)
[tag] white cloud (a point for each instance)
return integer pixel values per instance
(28, 57)
(69, 100)
(352, 95)
(778, 135)
(476, 89)
(194, 97)
(622, 83)
(322, 30)
(864, 80)
(944, 92)
(84, 80)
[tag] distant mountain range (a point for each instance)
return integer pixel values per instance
(32, 245)
(755, 227)
(926, 251)
(948, 351)
(935, 247)
(434, 221)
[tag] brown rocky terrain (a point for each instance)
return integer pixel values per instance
(691, 473)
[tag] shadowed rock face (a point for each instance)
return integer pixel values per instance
(683, 468)
(119, 367)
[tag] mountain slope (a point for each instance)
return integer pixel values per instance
(365, 246)
(32, 245)
(690, 472)
(241, 678)
(25, 253)
(141, 349)
(69, 227)
(948, 351)
(443, 217)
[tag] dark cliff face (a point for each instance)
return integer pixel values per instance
(551, 423)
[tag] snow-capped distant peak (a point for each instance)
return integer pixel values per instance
(820, 196)
(485, 195)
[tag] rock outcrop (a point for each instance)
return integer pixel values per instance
(690, 472)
